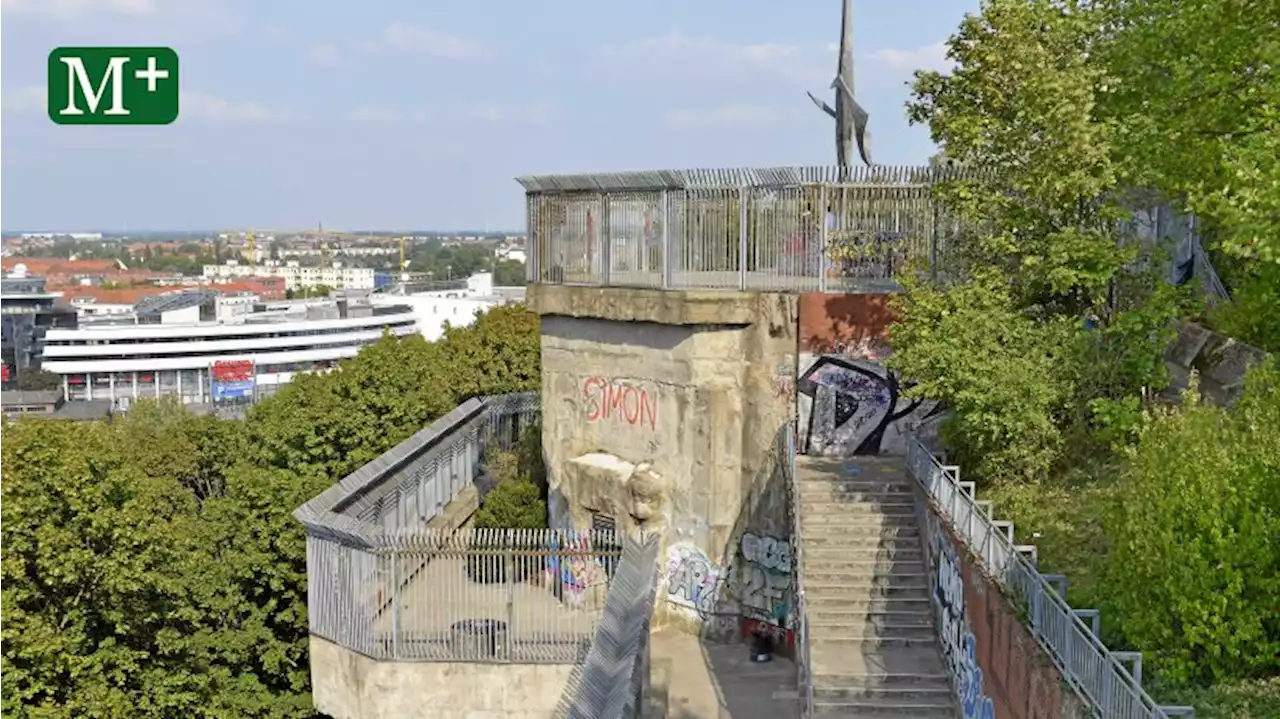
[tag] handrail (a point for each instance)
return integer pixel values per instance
(1097, 674)
(804, 676)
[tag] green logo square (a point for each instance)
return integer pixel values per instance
(113, 85)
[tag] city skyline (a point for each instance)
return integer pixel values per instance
(393, 115)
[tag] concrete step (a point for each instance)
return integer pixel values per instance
(855, 583)
(936, 692)
(898, 552)
(926, 682)
(842, 595)
(846, 660)
(847, 486)
(861, 566)
(826, 602)
(884, 635)
(859, 507)
(843, 532)
(882, 709)
(905, 576)
(856, 519)
(870, 617)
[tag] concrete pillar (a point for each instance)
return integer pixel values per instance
(111, 386)
(178, 373)
(135, 385)
(155, 381)
(88, 386)
(66, 388)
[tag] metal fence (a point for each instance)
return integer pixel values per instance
(614, 680)
(804, 679)
(789, 228)
(478, 595)
(410, 484)
(1070, 636)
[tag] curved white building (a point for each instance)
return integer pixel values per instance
(114, 361)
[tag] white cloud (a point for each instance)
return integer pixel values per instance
(323, 55)
(210, 108)
(528, 113)
(77, 9)
(925, 57)
(410, 39)
(726, 116)
(24, 101)
(376, 115)
(678, 53)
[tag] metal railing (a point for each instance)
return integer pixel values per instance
(1099, 675)
(614, 679)
(788, 228)
(410, 484)
(480, 595)
(803, 660)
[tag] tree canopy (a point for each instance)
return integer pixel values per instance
(152, 567)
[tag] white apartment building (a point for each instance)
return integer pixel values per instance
(457, 307)
(173, 352)
(296, 276)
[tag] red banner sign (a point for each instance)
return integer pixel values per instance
(232, 370)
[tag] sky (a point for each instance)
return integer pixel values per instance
(396, 115)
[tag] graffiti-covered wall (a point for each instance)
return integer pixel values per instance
(847, 400)
(998, 670)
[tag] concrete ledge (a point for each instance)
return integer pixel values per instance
(622, 304)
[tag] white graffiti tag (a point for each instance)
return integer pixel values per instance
(692, 579)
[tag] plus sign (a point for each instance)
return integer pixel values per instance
(151, 74)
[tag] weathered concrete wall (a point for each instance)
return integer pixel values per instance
(667, 411)
(849, 402)
(347, 685)
(1220, 362)
(998, 670)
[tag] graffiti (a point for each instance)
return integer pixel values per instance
(782, 636)
(784, 380)
(765, 580)
(620, 401)
(571, 575)
(855, 406)
(693, 581)
(958, 644)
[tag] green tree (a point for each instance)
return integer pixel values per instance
(1194, 568)
(509, 273)
(37, 380)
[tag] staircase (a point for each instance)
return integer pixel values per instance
(874, 649)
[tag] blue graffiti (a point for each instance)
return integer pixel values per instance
(958, 642)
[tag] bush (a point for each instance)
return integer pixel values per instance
(1253, 316)
(1194, 566)
(513, 504)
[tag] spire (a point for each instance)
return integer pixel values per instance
(851, 119)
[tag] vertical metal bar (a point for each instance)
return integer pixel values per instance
(605, 238)
(508, 576)
(666, 241)
(822, 238)
(744, 196)
(394, 558)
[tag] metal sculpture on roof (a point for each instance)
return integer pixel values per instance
(851, 119)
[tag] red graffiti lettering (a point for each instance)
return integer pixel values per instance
(623, 402)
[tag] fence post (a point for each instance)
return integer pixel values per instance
(666, 241)
(744, 196)
(822, 238)
(605, 239)
(508, 576)
(394, 557)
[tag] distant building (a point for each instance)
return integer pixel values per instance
(27, 312)
(458, 307)
(296, 276)
(180, 339)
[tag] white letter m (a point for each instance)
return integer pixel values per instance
(77, 74)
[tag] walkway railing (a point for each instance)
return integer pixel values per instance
(780, 229)
(803, 664)
(1111, 682)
